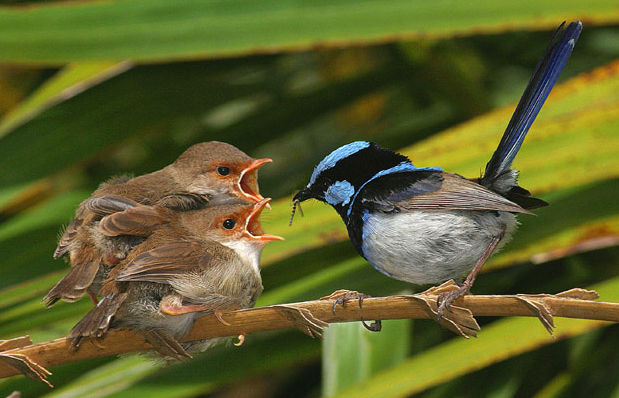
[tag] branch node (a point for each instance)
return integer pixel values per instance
(302, 319)
(21, 362)
(540, 310)
(458, 319)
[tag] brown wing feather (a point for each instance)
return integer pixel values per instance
(90, 210)
(163, 263)
(458, 193)
(109, 204)
(137, 221)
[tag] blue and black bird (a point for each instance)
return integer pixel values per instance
(421, 224)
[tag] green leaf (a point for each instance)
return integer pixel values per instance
(351, 353)
(68, 82)
(52, 213)
(225, 364)
(155, 30)
(108, 114)
(107, 379)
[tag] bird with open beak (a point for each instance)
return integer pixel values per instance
(195, 263)
(209, 173)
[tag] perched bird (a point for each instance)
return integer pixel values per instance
(208, 173)
(195, 263)
(422, 225)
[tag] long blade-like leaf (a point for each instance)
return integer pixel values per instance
(155, 30)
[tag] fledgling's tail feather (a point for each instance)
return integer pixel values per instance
(73, 285)
(98, 320)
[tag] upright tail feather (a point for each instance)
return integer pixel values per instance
(545, 76)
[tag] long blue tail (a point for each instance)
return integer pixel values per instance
(544, 78)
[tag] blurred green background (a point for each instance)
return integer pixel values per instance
(93, 89)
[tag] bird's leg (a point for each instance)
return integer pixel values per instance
(445, 299)
(171, 304)
(93, 297)
(342, 296)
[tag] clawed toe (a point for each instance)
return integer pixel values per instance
(435, 300)
(444, 300)
(342, 296)
(375, 326)
(241, 341)
(218, 315)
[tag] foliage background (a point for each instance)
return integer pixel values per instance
(91, 89)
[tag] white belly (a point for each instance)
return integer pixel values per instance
(431, 247)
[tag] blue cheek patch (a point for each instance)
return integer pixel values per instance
(340, 153)
(339, 193)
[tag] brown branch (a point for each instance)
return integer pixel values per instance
(576, 303)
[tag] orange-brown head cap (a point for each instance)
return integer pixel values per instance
(220, 171)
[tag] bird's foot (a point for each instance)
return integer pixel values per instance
(342, 296)
(448, 296)
(21, 362)
(302, 319)
(171, 304)
(459, 320)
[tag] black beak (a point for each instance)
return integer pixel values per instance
(302, 195)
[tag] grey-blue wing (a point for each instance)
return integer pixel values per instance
(459, 193)
(442, 191)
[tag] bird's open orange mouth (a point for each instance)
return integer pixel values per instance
(248, 183)
(254, 228)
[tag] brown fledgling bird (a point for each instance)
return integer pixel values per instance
(195, 263)
(209, 173)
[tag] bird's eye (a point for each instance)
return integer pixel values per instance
(229, 223)
(223, 170)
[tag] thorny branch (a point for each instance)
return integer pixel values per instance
(21, 356)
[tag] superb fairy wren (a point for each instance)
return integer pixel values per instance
(421, 224)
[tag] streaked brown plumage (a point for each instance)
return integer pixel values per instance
(208, 173)
(196, 262)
